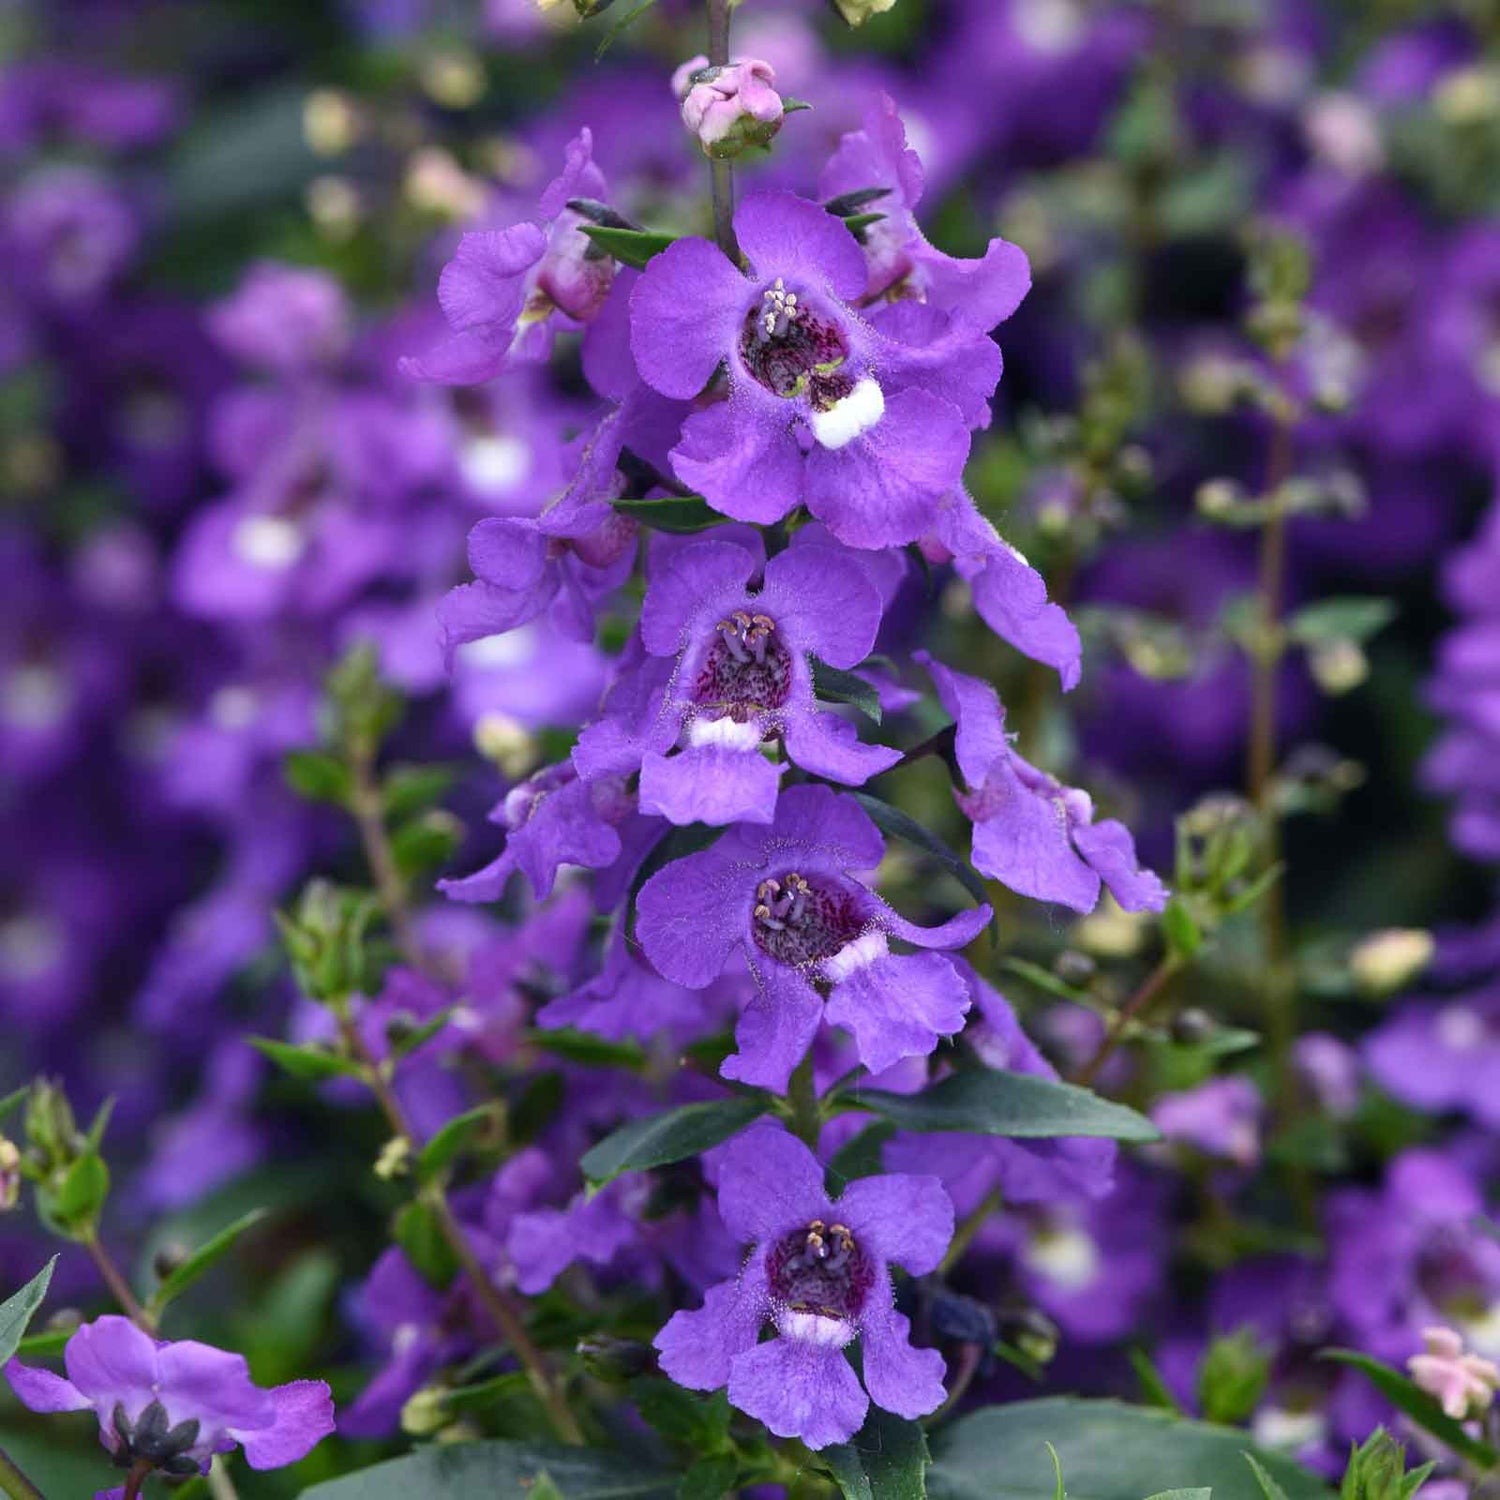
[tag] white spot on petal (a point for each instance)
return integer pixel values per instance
(269, 542)
(727, 732)
(1067, 1257)
(845, 420)
(852, 957)
(495, 465)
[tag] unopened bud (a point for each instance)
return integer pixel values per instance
(425, 1412)
(728, 109)
(615, 1360)
(1032, 1332)
(1338, 666)
(507, 742)
(857, 12)
(168, 1259)
(330, 123)
(1073, 967)
(10, 1175)
(394, 1159)
(1388, 961)
(1192, 1026)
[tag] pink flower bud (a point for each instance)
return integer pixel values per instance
(1463, 1384)
(729, 108)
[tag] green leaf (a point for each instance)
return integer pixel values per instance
(426, 842)
(710, 1478)
(17, 1312)
(44, 1345)
(1153, 1387)
(790, 105)
(589, 1050)
(458, 1471)
(308, 1063)
(1059, 1490)
(419, 1232)
(1108, 1450)
(1232, 1377)
(893, 821)
(680, 514)
(620, 26)
(204, 1258)
(405, 1043)
(887, 1460)
(454, 1136)
(318, 776)
(1417, 1404)
(413, 789)
(674, 1136)
(1180, 928)
(1044, 980)
(696, 1421)
(1183, 1495)
(856, 224)
(985, 1101)
(1353, 619)
(1268, 1486)
(631, 247)
(11, 1102)
(78, 1202)
(845, 687)
(859, 1156)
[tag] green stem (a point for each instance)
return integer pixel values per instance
(1133, 1009)
(119, 1288)
(721, 173)
(368, 808)
(969, 1226)
(14, 1483)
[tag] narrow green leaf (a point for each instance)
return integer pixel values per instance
(17, 1312)
(845, 687)
(675, 1136)
(1417, 1404)
(412, 789)
(696, 1421)
(426, 842)
(453, 1138)
(1180, 928)
(619, 28)
(893, 821)
(858, 223)
(419, 1233)
(204, 1258)
(1153, 1387)
(1059, 1490)
(679, 514)
(404, 1044)
(986, 1101)
(1268, 1486)
(791, 105)
(1183, 1495)
(1044, 980)
(318, 776)
(631, 247)
(1356, 618)
(710, 1478)
(11, 1102)
(44, 1345)
(307, 1063)
(887, 1460)
(590, 1051)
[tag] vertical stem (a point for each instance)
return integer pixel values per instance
(721, 173)
(802, 1092)
(369, 815)
(506, 1317)
(135, 1479)
(119, 1288)
(1133, 1009)
(13, 1483)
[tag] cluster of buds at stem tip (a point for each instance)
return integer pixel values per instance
(729, 109)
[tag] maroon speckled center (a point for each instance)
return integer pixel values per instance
(820, 1270)
(792, 351)
(747, 671)
(799, 921)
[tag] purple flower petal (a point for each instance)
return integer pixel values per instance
(824, 819)
(784, 235)
(41, 1390)
(774, 1030)
(713, 784)
(829, 746)
(801, 1390)
(685, 313)
(900, 1218)
(899, 1378)
(1027, 844)
(769, 1183)
(303, 1418)
(899, 1006)
(698, 1348)
(827, 599)
(691, 914)
(742, 459)
(679, 592)
(1109, 848)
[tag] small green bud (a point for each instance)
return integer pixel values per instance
(613, 1360)
(857, 12)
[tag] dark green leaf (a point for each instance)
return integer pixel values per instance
(11, 1102)
(710, 1478)
(992, 1102)
(426, 843)
(308, 1063)
(204, 1258)
(589, 1050)
(675, 1136)
(631, 247)
(1153, 1387)
(886, 1461)
(859, 1157)
(1180, 928)
(1417, 1404)
(845, 687)
(17, 1311)
(1352, 619)
(455, 1135)
(1044, 980)
(413, 789)
(696, 1421)
(419, 1232)
(791, 105)
(1109, 1451)
(620, 26)
(405, 1043)
(681, 514)
(318, 776)
(459, 1471)
(893, 821)
(858, 223)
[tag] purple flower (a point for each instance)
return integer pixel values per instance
(1220, 1118)
(739, 632)
(1031, 832)
(1437, 1056)
(902, 264)
(729, 108)
(505, 289)
(786, 896)
(865, 423)
(286, 320)
(819, 1273)
(176, 1404)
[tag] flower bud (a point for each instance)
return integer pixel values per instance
(1388, 961)
(1462, 1384)
(10, 1175)
(857, 12)
(425, 1412)
(615, 1360)
(728, 109)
